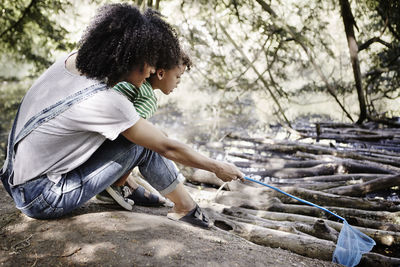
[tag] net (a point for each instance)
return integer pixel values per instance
(351, 245)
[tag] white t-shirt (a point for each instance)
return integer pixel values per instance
(68, 140)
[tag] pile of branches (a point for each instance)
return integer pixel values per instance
(351, 170)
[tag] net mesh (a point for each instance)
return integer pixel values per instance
(351, 245)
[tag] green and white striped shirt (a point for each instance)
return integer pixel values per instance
(144, 100)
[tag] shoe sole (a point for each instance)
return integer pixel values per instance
(105, 199)
(121, 201)
(176, 218)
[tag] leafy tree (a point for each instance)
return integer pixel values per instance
(30, 31)
(247, 45)
(383, 77)
(254, 45)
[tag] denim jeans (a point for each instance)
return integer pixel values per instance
(42, 199)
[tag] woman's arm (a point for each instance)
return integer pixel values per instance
(147, 135)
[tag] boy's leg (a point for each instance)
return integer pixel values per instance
(174, 190)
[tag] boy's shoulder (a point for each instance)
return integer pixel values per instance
(127, 85)
(124, 84)
(146, 86)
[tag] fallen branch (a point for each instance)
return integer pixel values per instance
(367, 187)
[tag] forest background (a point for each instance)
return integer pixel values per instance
(257, 63)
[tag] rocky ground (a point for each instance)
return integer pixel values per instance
(100, 234)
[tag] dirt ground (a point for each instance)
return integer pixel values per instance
(100, 234)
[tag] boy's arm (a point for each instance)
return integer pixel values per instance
(145, 134)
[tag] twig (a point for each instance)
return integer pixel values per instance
(70, 254)
(24, 243)
(36, 259)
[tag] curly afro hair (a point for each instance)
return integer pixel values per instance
(121, 38)
(169, 48)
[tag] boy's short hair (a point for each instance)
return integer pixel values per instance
(186, 60)
(121, 38)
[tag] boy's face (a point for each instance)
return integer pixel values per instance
(168, 80)
(138, 75)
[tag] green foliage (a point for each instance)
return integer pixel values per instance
(30, 31)
(383, 77)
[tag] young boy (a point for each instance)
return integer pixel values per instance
(145, 103)
(166, 80)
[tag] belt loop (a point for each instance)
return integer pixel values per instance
(22, 193)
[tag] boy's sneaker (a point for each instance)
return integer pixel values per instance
(105, 197)
(118, 194)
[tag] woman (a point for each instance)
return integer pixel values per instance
(73, 136)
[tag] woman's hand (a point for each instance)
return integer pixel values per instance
(228, 172)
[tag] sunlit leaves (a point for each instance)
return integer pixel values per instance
(30, 31)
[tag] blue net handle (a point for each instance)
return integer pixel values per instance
(299, 199)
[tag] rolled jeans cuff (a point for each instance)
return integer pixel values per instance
(179, 179)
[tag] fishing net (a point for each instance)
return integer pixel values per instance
(351, 244)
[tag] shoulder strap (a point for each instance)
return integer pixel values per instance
(37, 120)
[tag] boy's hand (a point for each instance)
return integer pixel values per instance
(228, 172)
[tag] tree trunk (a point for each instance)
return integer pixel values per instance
(349, 23)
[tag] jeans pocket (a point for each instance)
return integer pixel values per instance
(40, 209)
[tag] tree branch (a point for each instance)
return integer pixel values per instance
(257, 72)
(267, 8)
(19, 21)
(366, 44)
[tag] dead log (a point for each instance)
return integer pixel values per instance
(300, 244)
(317, 228)
(267, 199)
(202, 176)
(325, 199)
(320, 186)
(339, 165)
(353, 166)
(370, 219)
(321, 183)
(367, 187)
(318, 150)
(340, 177)
(343, 137)
(289, 147)
(387, 238)
(304, 245)
(275, 163)
(322, 169)
(294, 228)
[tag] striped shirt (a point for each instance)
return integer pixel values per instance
(144, 100)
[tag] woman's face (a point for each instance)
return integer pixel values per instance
(137, 76)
